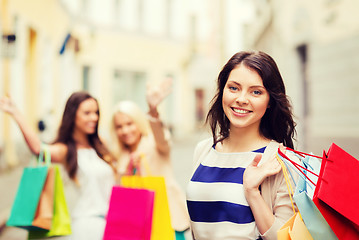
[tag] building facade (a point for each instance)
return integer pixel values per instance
(112, 49)
(316, 47)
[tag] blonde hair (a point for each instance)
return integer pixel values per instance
(138, 116)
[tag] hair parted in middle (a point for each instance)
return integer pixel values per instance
(66, 130)
(277, 123)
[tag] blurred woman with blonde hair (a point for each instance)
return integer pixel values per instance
(144, 149)
(128, 110)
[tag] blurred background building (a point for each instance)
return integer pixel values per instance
(316, 45)
(113, 48)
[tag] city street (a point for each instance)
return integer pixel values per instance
(177, 56)
(182, 151)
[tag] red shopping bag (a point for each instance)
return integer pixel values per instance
(338, 183)
(337, 192)
(130, 214)
(341, 226)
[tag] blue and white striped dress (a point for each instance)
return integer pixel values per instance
(215, 197)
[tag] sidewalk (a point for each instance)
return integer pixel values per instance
(9, 181)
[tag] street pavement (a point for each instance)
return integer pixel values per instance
(182, 154)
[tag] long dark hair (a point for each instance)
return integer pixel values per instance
(66, 130)
(277, 122)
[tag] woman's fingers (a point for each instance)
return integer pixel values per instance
(6, 104)
(256, 160)
(156, 93)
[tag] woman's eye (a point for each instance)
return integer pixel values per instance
(118, 127)
(233, 88)
(257, 92)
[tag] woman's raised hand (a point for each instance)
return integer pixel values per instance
(31, 138)
(156, 93)
(7, 105)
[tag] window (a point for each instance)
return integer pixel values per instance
(129, 85)
(86, 78)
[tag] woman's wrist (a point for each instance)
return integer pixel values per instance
(153, 113)
(153, 118)
(252, 193)
(16, 114)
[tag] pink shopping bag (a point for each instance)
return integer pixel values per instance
(130, 214)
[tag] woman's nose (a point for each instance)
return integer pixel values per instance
(94, 117)
(242, 98)
(125, 129)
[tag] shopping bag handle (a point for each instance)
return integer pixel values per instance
(145, 163)
(296, 164)
(138, 179)
(303, 154)
(44, 155)
(287, 181)
(281, 155)
(143, 160)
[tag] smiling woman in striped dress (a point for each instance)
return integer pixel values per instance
(237, 190)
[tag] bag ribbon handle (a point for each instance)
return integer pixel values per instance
(287, 181)
(299, 167)
(44, 155)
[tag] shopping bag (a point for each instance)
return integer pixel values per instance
(340, 225)
(343, 228)
(312, 218)
(313, 164)
(294, 228)
(161, 221)
(44, 213)
(61, 222)
(338, 186)
(129, 214)
(27, 198)
(314, 221)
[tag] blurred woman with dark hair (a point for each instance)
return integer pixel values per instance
(86, 159)
(237, 190)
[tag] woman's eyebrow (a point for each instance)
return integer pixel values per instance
(253, 86)
(234, 82)
(257, 86)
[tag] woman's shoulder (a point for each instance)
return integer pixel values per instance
(58, 152)
(272, 146)
(205, 143)
(202, 147)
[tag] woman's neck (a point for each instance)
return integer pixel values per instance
(131, 148)
(243, 141)
(81, 140)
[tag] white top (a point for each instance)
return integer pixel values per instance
(96, 179)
